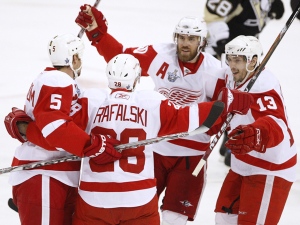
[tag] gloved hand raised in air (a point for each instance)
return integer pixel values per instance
(102, 150)
(235, 101)
(15, 121)
(246, 138)
(93, 21)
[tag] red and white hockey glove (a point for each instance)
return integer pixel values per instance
(14, 120)
(236, 101)
(102, 149)
(246, 138)
(93, 21)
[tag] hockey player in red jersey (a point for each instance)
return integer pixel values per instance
(47, 195)
(264, 155)
(227, 19)
(124, 191)
(184, 74)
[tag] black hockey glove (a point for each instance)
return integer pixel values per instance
(277, 10)
(294, 4)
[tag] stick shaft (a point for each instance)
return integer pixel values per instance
(214, 114)
(202, 162)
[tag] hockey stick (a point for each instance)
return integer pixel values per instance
(12, 205)
(81, 32)
(212, 117)
(247, 89)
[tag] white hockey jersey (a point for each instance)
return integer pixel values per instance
(50, 101)
(182, 83)
(129, 117)
(279, 159)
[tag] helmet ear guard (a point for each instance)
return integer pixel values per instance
(123, 71)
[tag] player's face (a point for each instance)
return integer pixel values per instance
(77, 64)
(237, 64)
(187, 47)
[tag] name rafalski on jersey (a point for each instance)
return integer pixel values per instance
(120, 112)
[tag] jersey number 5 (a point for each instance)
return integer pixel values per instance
(55, 101)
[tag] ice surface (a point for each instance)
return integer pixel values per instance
(27, 26)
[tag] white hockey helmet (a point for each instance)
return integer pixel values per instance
(247, 46)
(123, 71)
(62, 48)
(191, 26)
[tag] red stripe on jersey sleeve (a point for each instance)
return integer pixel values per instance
(266, 164)
(35, 136)
(69, 137)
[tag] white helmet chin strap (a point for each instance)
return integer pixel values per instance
(247, 75)
(75, 72)
(198, 53)
(245, 78)
(198, 50)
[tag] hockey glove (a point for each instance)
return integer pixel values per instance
(14, 120)
(277, 10)
(246, 138)
(235, 101)
(93, 21)
(102, 149)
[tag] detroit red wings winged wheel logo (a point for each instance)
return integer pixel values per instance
(180, 96)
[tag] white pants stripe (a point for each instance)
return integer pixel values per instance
(262, 214)
(45, 200)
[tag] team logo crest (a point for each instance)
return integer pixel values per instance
(180, 96)
(172, 76)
